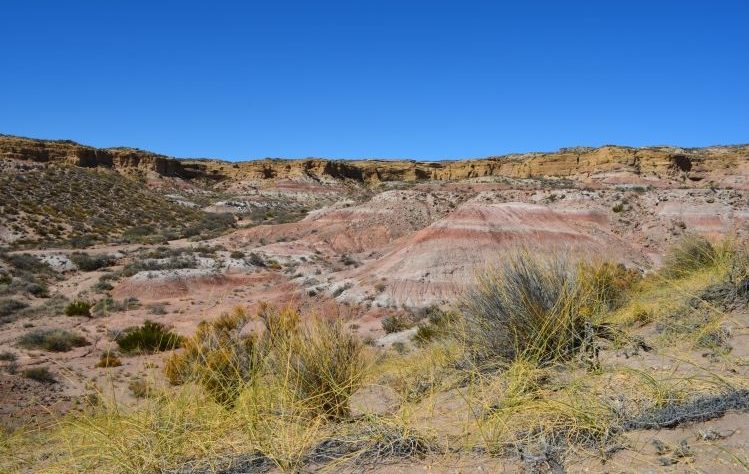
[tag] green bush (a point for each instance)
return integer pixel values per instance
(53, 340)
(150, 337)
(78, 308)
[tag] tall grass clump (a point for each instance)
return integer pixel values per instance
(540, 308)
(218, 357)
(327, 365)
(318, 363)
(692, 253)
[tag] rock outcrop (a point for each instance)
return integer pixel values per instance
(720, 166)
(68, 152)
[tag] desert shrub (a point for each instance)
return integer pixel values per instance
(54, 340)
(158, 309)
(9, 307)
(237, 254)
(54, 306)
(608, 284)
(108, 359)
(102, 286)
(326, 364)
(320, 364)
(135, 234)
(88, 263)
(439, 324)
(7, 356)
(211, 224)
(172, 263)
(27, 263)
(35, 288)
(218, 357)
(140, 388)
(531, 307)
(109, 305)
(691, 253)
(150, 337)
(78, 308)
(281, 325)
(40, 374)
(256, 260)
(395, 323)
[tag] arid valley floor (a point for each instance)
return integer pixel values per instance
(388, 248)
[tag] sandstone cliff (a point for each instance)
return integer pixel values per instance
(720, 165)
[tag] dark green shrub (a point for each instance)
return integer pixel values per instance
(150, 337)
(53, 340)
(40, 374)
(236, 254)
(78, 308)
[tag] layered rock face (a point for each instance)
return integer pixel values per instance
(659, 166)
(64, 151)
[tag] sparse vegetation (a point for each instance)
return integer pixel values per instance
(509, 375)
(76, 206)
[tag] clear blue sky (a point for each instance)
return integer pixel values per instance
(381, 78)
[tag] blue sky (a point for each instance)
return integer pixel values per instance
(383, 78)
